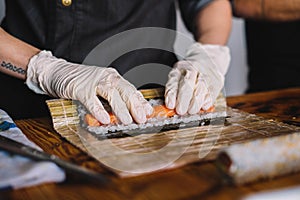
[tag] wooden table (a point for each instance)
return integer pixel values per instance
(195, 181)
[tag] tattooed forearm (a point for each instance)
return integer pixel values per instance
(13, 68)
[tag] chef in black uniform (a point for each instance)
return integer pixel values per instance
(44, 43)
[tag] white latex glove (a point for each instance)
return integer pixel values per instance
(47, 74)
(196, 81)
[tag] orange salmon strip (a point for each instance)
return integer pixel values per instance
(92, 121)
(159, 111)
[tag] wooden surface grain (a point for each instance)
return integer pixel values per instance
(280, 105)
(194, 181)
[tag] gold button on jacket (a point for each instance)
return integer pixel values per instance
(66, 2)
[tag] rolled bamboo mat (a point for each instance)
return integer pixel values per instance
(137, 154)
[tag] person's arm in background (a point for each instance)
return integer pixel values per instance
(213, 23)
(271, 10)
(195, 82)
(46, 74)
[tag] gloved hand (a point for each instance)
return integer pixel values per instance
(47, 74)
(196, 81)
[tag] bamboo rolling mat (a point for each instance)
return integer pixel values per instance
(162, 150)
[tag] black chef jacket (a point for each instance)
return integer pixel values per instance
(273, 55)
(71, 32)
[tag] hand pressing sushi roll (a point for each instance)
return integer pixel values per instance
(159, 112)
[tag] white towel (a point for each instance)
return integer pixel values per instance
(18, 171)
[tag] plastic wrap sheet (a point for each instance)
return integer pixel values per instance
(135, 154)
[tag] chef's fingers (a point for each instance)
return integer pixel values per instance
(95, 107)
(118, 106)
(138, 106)
(198, 97)
(186, 88)
(208, 102)
(107, 89)
(171, 88)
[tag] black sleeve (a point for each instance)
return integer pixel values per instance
(189, 10)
